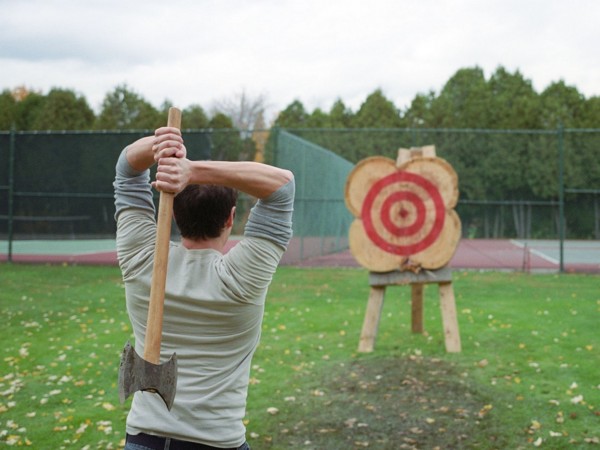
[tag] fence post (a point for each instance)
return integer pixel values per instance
(561, 196)
(11, 189)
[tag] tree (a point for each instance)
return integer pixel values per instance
(318, 119)
(514, 104)
(377, 112)
(62, 109)
(194, 117)
(463, 102)
(27, 110)
(562, 105)
(340, 116)
(418, 114)
(294, 116)
(221, 121)
(227, 144)
(124, 109)
(591, 114)
(8, 110)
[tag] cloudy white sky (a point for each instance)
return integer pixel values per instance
(199, 51)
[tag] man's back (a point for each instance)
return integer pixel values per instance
(214, 303)
(212, 321)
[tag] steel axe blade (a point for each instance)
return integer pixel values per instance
(137, 374)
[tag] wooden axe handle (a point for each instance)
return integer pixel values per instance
(159, 271)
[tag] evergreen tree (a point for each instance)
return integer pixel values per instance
(340, 116)
(294, 116)
(318, 119)
(123, 109)
(377, 112)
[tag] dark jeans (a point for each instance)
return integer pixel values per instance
(168, 445)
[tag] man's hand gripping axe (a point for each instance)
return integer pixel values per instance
(147, 374)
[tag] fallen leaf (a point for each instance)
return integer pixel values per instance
(577, 399)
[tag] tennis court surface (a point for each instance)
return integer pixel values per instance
(484, 254)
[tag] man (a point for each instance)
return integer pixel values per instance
(214, 302)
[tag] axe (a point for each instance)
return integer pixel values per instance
(147, 374)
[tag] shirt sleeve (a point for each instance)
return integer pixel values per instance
(132, 187)
(271, 217)
(134, 213)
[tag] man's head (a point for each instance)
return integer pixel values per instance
(204, 211)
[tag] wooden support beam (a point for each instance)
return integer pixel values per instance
(417, 308)
(371, 322)
(449, 319)
(417, 281)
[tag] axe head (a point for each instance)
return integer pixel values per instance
(137, 374)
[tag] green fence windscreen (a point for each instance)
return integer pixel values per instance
(513, 183)
(321, 219)
(509, 180)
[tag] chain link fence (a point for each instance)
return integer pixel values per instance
(529, 184)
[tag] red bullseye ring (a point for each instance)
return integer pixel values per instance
(400, 198)
(408, 198)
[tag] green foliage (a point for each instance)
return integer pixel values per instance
(27, 110)
(194, 117)
(591, 114)
(227, 145)
(505, 100)
(220, 121)
(340, 116)
(123, 109)
(377, 112)
(8, 110)
(463, 102)
(562, 105)
(418, 113)
(318, 119)
(294, 116)
(62, 109)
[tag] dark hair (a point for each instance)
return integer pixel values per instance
(201, 211)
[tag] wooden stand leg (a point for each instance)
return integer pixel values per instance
(417, 307)
(449, 319)
(371, 322)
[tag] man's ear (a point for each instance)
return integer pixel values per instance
(230, 219)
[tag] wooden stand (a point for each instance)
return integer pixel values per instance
(379, 282)
(389, 268)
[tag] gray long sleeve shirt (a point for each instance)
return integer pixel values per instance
(213, 312)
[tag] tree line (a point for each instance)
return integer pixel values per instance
(122, 109)
(468, 99)
(505, 100)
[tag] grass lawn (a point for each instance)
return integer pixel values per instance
(528, 375)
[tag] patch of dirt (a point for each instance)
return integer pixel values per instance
(400, 403)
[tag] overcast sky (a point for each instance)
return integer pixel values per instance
(199, 51)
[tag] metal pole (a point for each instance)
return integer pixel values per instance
(561, 196)
(11, 190)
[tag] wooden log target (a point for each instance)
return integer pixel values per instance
(404, 211)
